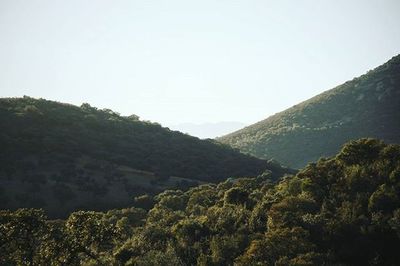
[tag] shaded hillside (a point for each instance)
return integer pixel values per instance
(339, 211)
(63, 157)
(367, 106)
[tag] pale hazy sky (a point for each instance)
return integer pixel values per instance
(191, 61)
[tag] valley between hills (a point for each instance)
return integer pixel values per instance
(316, 184)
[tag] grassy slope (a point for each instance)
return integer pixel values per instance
(367, 106)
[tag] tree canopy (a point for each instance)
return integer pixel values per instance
(344, 210)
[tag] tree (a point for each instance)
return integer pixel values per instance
(88, 234)
(21, 236)
(236, 195)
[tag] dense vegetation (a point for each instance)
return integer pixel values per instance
(339, 211)
(62, 157)
(367, 106)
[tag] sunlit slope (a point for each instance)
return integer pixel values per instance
(367, 106)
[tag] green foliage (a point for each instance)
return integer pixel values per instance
(174, 200)
(236, 195)
(80, 157)
(321, 216)
(157, 258)
(384, 199)
(144, 201)
(21, 233)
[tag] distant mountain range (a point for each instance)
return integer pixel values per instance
(208, 130)
(367, 106)
(62, 157)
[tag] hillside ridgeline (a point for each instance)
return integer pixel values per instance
(367, 106)
(61, 157)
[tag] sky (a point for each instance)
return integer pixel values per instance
(186, 61)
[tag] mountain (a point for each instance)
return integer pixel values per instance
(344, 210)
(367, 106)
(208, 130)
(62, 157)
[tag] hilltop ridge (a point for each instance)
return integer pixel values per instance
(62, 157)
(366, 106)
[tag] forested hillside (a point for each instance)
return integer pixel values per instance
(63, 157)
(367, 106)
(344, 210)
